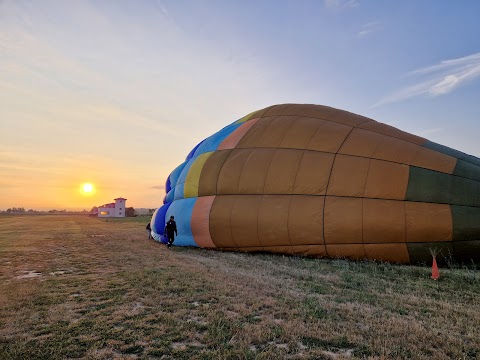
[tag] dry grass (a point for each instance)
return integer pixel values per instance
(73, 286)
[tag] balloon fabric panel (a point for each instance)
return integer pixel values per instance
(349, 176)
(467, 170)
(232, 140)
(427, 222)
(200, 223)
(305, 220)
(273, 220)
(396, 150)
(343, 220)
(392, 132)
(193, 177)
(282, 171)
(212, 143)
(254, 171)
(430, 159)
(383, 221)
(466, 224)
(452, 152)
(313, 173)
(465, 191)
(386, 180)
(211, 169)
(428, 186)
(220, 220)
(229, 176)
(361, 143)
(244, 220)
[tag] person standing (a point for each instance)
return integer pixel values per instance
(149, 231)
(170, 230)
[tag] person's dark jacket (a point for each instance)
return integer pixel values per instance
(148, 227)
(171, 227)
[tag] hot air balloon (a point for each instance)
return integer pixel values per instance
(318, 181)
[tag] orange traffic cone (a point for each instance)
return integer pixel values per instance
(435, 273)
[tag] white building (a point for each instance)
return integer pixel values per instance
(116, 209)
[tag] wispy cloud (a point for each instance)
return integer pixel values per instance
(369, 28)
(157, 187)
(341, 4)
(439, 79)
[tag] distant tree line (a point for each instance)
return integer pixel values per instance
(130, 212)
(21, 211)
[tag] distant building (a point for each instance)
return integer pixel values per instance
(116, 209)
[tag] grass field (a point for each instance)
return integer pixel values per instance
(79, 287)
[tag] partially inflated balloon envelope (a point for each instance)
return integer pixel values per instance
(317, 181)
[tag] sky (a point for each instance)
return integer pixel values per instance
(116, 93)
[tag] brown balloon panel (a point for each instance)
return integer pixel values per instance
(317, 181)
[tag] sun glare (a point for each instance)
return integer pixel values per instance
(88, 188)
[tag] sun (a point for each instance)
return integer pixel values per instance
(88, 188)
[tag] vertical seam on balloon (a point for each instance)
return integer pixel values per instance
(453, 223)
(286, 132)
(363, 198)
(405, 224)
(245, 118)
(266, 130)
(366, 177)
(268, 169)
(209, 214)
(288, 221)
(201, 170)
(250, 129)
(235, 128)
(271, 160)
(209, 222)
(207, 155)
(230, 218)
(413, 159)
(233, 132)
(268, 122)
(189, 165)
(311, 137)
(328, 184)
(363, 241)
(243, 167)
(365, 184)
(186, 177)
(288, 217)
(291, 197)
(191, 221)
(221, 168)
(258, 214)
